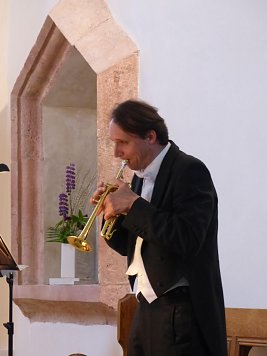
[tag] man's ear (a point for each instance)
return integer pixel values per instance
(151, 136)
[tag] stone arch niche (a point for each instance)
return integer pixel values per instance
(81, 65)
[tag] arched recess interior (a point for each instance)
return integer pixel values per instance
(86, 27)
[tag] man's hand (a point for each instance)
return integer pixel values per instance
(120, 201)
(97, 194)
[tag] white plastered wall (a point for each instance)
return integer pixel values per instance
(203, 63)
(4, 158)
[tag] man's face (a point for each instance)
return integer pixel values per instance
(127, 146)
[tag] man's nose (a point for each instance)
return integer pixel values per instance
(117, 152)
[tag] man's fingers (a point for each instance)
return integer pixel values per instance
(97, 194)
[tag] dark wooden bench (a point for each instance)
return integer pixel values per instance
(245, 328)
(126, 308)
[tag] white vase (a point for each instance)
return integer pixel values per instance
(67, 261)
(67, 267)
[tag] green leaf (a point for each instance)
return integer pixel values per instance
(65, 228)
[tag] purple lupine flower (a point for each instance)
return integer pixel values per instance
(63, 205)
(70, 178)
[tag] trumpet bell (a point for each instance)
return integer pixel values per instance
(79, 243)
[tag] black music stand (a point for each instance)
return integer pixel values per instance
(7, 268)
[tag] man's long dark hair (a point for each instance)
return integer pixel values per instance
(138, 117)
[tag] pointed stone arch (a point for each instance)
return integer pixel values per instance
(88, 28)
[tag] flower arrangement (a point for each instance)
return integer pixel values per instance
(70, 204)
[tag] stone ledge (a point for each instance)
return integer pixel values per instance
(67, 293)
(66, 304)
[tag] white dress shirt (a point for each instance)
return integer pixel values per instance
(149, 175)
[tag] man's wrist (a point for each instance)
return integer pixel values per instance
(132, 201)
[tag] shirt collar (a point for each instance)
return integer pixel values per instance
(151, 171)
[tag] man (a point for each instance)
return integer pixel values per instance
(167, 227)
(3, 167)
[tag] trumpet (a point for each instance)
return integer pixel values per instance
(107, 231)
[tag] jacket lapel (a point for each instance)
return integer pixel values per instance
(162, 179)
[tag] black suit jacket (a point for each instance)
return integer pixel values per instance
(179, 231)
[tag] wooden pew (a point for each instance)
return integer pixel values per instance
(245, 327)
(126, 308)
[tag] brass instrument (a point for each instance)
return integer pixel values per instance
(80, 241)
